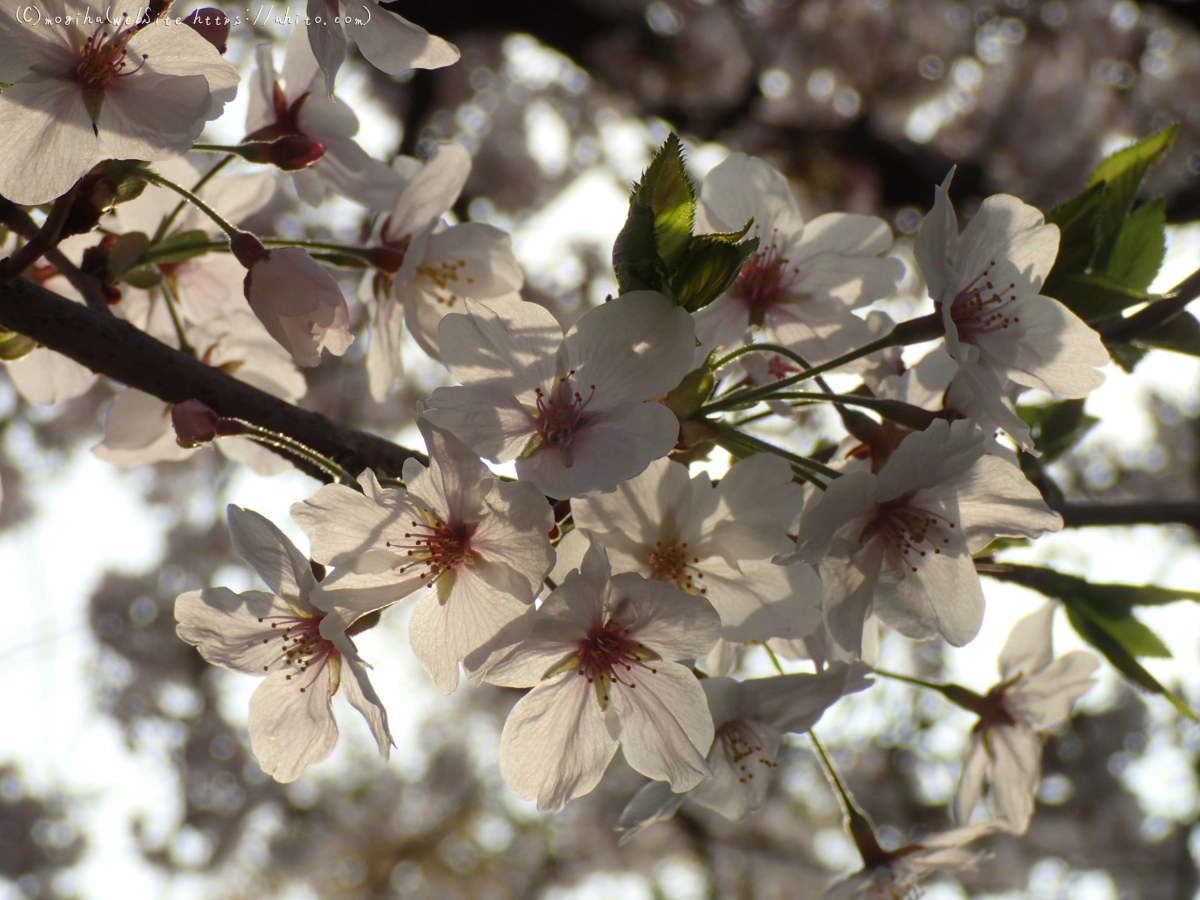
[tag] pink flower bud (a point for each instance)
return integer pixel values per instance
(248, 249)
(290, 153)
(196, 424)
(300, 304)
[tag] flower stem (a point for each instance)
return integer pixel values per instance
(857, 822)
(913, 331)
(171, 298)
(730, 433)
(778, 350)
(165, 225)
(774, 659)
(190, 197)
(955, 693)
(290, 445)
(151, 255)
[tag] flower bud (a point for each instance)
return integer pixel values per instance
(196, 424)
(290, 153)
(299, 303)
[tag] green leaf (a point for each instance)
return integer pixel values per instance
(1122, 660)
(14, 345)
(709, 268)
(1140, 246)
(1094, 297)
(181, 246)
(1127, 356)
(1123, 172)
(1078, 224)
(1056, 427)
(666, 189)
(1181, 333)
(635, 255)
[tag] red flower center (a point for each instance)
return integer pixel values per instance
(764, 280)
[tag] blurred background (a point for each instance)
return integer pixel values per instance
(124, 761)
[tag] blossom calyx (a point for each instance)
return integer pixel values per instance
(195, 423)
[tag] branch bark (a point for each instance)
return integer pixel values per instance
(111, 346)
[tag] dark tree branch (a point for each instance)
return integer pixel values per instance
(111, 346)
(89, 286)
(1149, 512)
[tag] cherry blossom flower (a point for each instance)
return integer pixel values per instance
(715, 541)
(389, 42)
(278, 634)
(570, 410)
(600, 656)
(799, 287)
(137, 427)
(1035, 694)
(750, 719)
(478, 544)
(301, 106)
(896, 875)
(437, 266)
(87, 86)
(999, 327)
(298, 302)
(899, 543)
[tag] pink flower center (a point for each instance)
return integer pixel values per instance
(675, 565)
(301, 647)
(908, 530)
(104, 57)
(609, 654)
(764, 280)
(981, 309)
(560, 414)
(436, 547)
(743, 748)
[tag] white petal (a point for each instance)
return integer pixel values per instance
(742, 188)
(289, 728)
(555, 744)
(845, 500)
(152, 116)
(635, 347)
(229, 629)
(849, 594)
(936, 243)
(274, 557)
(430, 193)
(326, 38)
(671, 623)
(443, 632)
(611, 446)
(656, 802)
(971, 780)
(43, 377)
(665, 725)
(1010, 231)
(795, 703)
(942, 597)
(48, 140)
(649, 507)
(508, 343)
(1016, 771)
(997, 500)
(485, 417)
(1030, 645)
(761, 600)
(393, 44)
(361, 695)
(1044, 700)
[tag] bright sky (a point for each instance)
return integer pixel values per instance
(87, 520)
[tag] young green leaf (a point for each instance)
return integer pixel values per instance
(667, 191)
(1056, 427)
(1123, 172)
(1078, 225)
(1140, 246)
(181, 246)
(709, 268)
(1180, 334)
(1094, 297)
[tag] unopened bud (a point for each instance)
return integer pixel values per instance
(196, 424)
(212, 25)
(290, 153)
(386, 259)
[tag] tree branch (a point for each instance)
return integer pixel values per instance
(111, 346)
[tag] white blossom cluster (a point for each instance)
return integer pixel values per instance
(609, 582)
